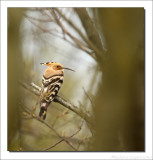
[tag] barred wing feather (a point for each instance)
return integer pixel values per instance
(49, 90)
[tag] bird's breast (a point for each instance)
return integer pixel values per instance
(50, 72)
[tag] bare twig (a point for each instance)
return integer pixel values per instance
(32, 89)
(90, 28)
(88, 97)
(35, 86)
(40, 27)
(52, 32)
(45, 123)
(66, 138)
(78, 42)
(54, 145)
(59, 116)
(91, 45)
(36, 90)
(37, 19)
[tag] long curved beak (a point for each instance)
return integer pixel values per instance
(69, 69)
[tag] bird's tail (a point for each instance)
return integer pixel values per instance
(43, 110)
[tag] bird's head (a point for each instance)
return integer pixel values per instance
(56, 66)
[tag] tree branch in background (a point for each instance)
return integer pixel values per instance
(79, 129)
(29, 111)
(85, 43)
(77, 43)
(59, 116)
(88, 97)
(36, 90)
(90, 28)
(97, 51)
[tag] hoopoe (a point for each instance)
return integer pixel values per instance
(51, 83)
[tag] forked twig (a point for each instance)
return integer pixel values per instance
(46, 124)
(36, 90)
(66, 138)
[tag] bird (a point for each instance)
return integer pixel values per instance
(52, 80)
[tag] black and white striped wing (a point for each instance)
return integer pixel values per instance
(49, 90)
(51, 87)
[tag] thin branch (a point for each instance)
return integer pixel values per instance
(37, 19)
(90, 28)
(35, 86)
(36, 90)
(79, 129)
(53, 34)
(59, 116)
(40, 27)
(79, 43)
(45, 123)
(91, 45)
(66, 138)
(32, 89)
(54, 145)
(88, 96)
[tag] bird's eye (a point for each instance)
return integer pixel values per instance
(58, 66)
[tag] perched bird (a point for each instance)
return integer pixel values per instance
(51, 83)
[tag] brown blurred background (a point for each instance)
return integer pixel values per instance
(108, 84)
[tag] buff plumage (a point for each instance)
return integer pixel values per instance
(51, 83)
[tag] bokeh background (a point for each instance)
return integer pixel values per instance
(105, 47)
